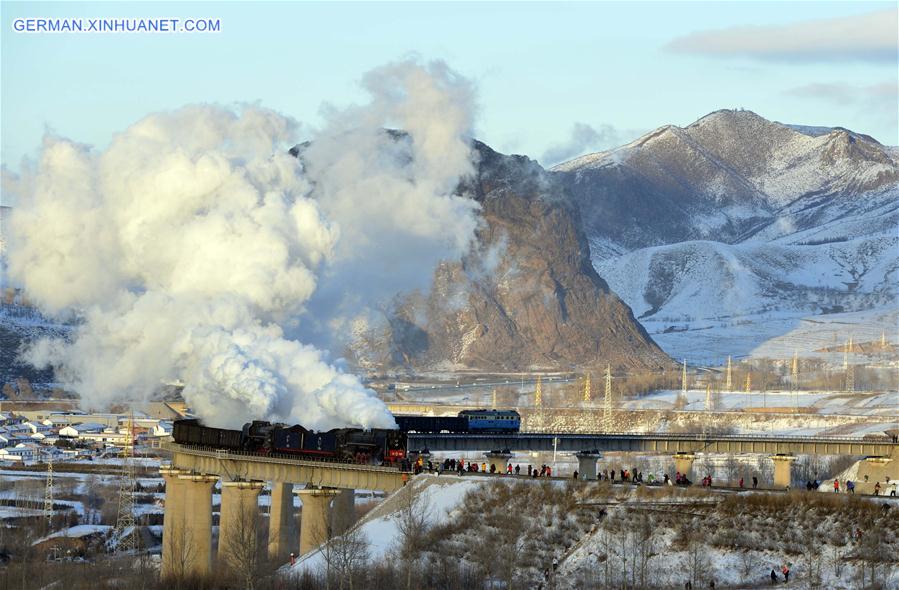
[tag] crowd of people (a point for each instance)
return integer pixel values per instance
(848, 486)
(633, 476)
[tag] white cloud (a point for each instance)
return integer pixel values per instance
(870, 37)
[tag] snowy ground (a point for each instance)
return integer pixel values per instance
(442, 496)
(770, 335)
(582, 563)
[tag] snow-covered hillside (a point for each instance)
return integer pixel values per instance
(736, 220)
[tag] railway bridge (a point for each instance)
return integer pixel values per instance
(878, 452)
(328, 499)
(328, 490)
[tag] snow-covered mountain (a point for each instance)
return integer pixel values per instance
(735, 217)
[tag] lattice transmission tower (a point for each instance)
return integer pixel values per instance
(587, 395)
(729, 381)
(607, 402)
(682, 396)
(48, 493)
(125, 526)
(849, 367)
(538, 394)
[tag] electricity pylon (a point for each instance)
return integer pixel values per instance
(48, 493)
(607, 402)
(728, 383)
(849, 367)
(125, 529)
(587, 388)
(683, 379)
(538, 394)
(494, 398)
(794, 380)
(748, 382)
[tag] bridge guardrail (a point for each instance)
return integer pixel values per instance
(663, 436)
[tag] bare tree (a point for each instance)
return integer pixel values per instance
(836, 557)
(181, 550)
(346, 557)
(697, 560)
(243, 546)
(412, 525)
(748, 562)
(642, 538)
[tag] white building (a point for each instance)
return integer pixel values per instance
(163, 428)
(37, 427)
(8, 439)
(79, 430)
(21, 452)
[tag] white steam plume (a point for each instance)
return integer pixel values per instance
(193, 245)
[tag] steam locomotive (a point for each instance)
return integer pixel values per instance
(375, 446)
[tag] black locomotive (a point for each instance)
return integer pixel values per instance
(377, 446)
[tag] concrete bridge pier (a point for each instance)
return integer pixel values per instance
(498, 459)
(683, 463)
(782, 465)
(239, 515)
(315, 519)
(280, 519)
(197, 534)
(586, 464)
(173, 519)
(343, 511)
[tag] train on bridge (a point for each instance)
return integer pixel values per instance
(377, 445)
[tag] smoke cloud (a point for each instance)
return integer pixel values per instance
(196, 247)
(583, 138)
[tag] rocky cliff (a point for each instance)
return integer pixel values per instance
(526, 297)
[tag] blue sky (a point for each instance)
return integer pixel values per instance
(617, 69)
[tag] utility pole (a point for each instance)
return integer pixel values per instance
(587, 388)
(125, 529)
(682, 396)
(607, 402)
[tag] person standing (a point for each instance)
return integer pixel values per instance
(836, 486)
(773, 577)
